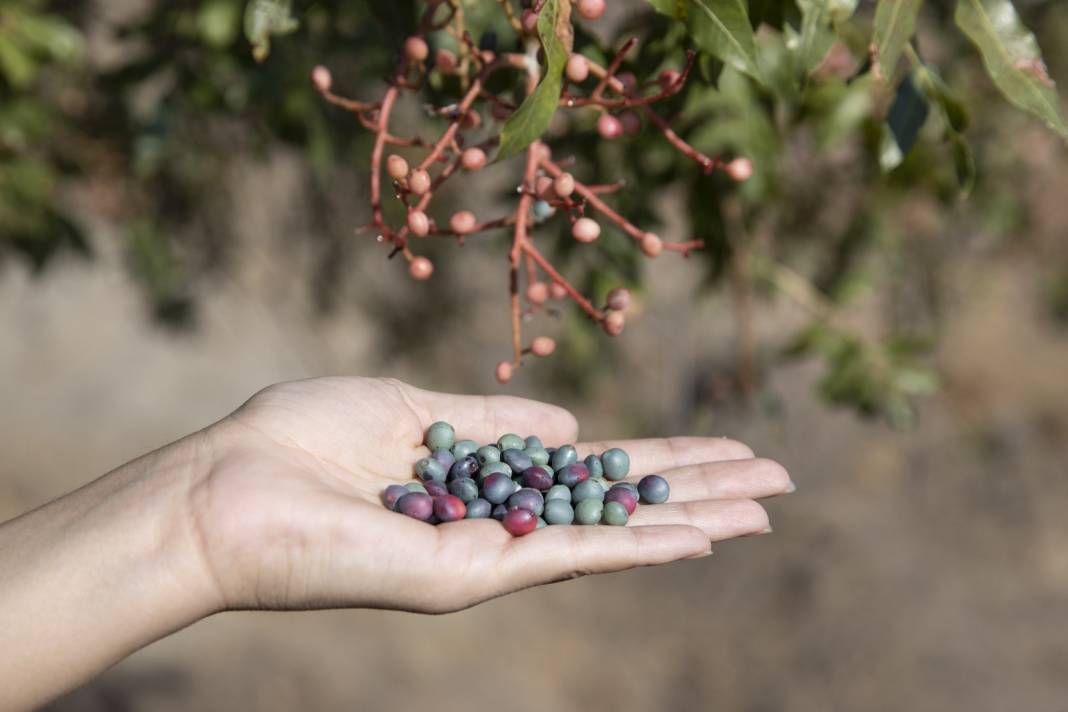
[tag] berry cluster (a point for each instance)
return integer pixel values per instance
(520, 483)
(473, 133)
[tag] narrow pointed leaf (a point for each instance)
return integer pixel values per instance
(719, 27)
(895, 23)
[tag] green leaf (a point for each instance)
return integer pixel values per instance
(264, 18)
(816, 38)
(719, 27)
(536, 112)
(895, 23)
(1012, 58)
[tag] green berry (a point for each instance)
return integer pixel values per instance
(587, 489)
(440, 436)
(559, 492)
(511, 441)
(537, 455)
(416, 487)
(487, 454)
(589, 511)
(594, 465)
(430, 469)
(534, 441)
(615, 514)
(541, 523)
(565, 455)
(463, 448)
(490, 467)
(557, 511)
(616, 463)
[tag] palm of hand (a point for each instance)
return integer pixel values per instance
(289, 514)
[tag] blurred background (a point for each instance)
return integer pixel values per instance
(176, 232)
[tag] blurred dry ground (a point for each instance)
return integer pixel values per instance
(923, 570)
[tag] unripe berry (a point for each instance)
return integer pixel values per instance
(473, 159)
(628, 80)
(542, 346)
(396, 167)
(669, 78)
(537, 292)
(321, 79)
(564, 185)
(618, 299)
(471, 120)
(632, 123)
(504, 372)
(419, 182)
(543, 188)
(740, 169)
(577, 68)
(529, 20)
(445, 60)
(609, 127)
(585, 230)
(613, 323)
(421, 268)
(591, 9)
(415, 49)
(462, 222)
(418, 223)
(651, 244)
(557, 291)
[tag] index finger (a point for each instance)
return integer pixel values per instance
(659, 454)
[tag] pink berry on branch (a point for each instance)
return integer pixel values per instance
(557, 291)
(472, 159)
(613, 323)
(618, 299)
(504, 372)
(577, 68)
(418, 223)
(564, 185)
(669, 78)
(529, 21)
(651, 244)
(471, 120)
(419, 182)
(416, 49)
(537, 293)
(609, 127)
(462, 222)
(421, 268)
(445, 61)
(396, 167)
(740, 169)
(591, 9)
(628, 80)
(543, 188)
(542, 346)
(321, 79)
(585, 230)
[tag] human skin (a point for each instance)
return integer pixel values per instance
(277, 507)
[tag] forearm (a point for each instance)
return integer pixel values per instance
(97, 574)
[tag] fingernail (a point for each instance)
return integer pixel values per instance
(766, 530)
(791, 488)
(702, 555)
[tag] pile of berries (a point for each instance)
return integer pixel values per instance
(521, 483)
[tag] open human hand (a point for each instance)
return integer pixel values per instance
(288, 514)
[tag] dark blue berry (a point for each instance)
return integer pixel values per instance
(465, 467)
(497, 488)
(534, 441)
(594, 465)
(529, 499)
(517, 460)
(478, 509)
(572, 474)
(499, 511)
(465, 488)
(654, 489)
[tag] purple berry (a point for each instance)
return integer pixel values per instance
(517, 460)
(529, 499)
(464, 467)
(538, 478)
(416, 505)
(499, 511)
(392, 494)
(653, 489)
(444, 458)
(497, 488)
(449, 508)
(624, 496)
(435, 488)
(572, 474)
(465, 488)
(519, 522)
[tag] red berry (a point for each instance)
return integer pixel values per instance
(591, 9)
(669, 78)
(445, 60)
(740, 169)
(473, 159)
(585, 230)
(564, 185)
(449, 508)
(418, 223)
(462, 222)
(542, 346)
(471, 120)
(618, 299)
(578, 68)
(519, 522)
(415, 48)
(617, 494)
(419, 182)
(504, 372)
(632, 123)
(557, 291)
(652, 245)
(537, 292)
(529, 21)
(543, 188)
(321, 79)
(613, 323)
(396, 167)
(421, 268)
(609, 127)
